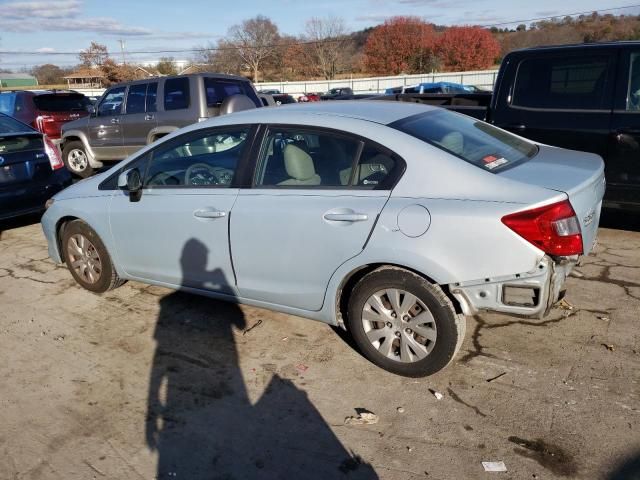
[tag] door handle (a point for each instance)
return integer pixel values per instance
(148, 116)
(203, 213)
(115, 120)
(346, 217)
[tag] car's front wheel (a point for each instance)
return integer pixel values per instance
(403, 323)
(87, 258)
(76, 159)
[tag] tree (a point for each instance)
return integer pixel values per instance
(94, 56)
(467, 48)
(330, 48)
(221, 57)
(400, 45)
(48, 74)
(254, 41)
(115, 73)
(166, 66)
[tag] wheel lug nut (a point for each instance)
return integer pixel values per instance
(406, 318)
(389, 324)
(393, 314)
(408, 330)
(397, 334)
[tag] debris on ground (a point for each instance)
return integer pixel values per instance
(301, 367)
(247, 330)
(603, 318)
(409, 449)
(58, 338)
(400, 409)
(438, 395)
(564, 304)
(608, 346)
(284, 339)
(363, 417)
(494, 466)
(489, 380)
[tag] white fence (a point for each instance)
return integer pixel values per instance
(483, 79)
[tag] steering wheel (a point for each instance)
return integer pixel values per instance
(201, 174)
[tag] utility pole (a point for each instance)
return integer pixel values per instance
(122, 50)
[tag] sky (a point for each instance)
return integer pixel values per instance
(50, 27)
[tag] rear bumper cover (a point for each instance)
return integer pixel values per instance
(544, 282)
(30, 197)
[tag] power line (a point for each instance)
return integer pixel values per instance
(299, 43)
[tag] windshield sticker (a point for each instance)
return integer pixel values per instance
(493, 161)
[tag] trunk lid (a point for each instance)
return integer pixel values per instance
(22, 158)
(578, 174)
(55, 109)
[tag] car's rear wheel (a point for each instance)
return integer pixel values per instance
(87, 258)
(76, 159)
(403, 323)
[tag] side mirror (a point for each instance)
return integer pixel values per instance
(92, 110)
(131, 181)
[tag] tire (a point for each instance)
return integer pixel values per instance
(87, 258)
(407, 353)
(76, 160)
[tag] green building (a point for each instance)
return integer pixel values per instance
(10, 80)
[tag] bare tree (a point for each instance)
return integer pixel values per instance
(254, 40)
(329, 45)
(94, 56)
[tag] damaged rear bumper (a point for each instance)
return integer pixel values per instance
(529, 294)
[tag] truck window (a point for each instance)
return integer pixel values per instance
(176, 93)
(573, 83)
(218, 89)
(633, 95)
(471, 140)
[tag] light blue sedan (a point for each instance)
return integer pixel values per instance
(391, 220)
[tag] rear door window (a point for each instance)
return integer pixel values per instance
(176, 93)
(219, 89)
(61, 102)
(471, 140)
(7, 103)
(152, 97)
(579, 82)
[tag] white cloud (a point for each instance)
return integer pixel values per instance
(46, 50)
(50, 9)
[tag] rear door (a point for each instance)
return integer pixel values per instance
(560, 98)
(623, 162)
(316, 196)
(105, 130)
(140, 115)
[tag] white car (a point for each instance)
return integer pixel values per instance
(392, 220)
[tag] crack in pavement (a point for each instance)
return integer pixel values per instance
(455, 397)
(12, 274)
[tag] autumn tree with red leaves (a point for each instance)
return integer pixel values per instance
(467, 48)
(400, 45)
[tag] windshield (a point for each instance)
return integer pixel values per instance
(475, 142)
(61, 102)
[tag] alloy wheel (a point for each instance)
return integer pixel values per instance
(84, 258)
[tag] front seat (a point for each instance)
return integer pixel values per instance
(454, 142)
(299, 166)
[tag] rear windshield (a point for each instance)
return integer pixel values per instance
(61, 102)
(7, 103)
(217, 90)
(475, 142)
(11, 125)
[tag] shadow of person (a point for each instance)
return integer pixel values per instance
(199, 416)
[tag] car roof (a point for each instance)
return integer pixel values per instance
(572, 46)
(377, 111)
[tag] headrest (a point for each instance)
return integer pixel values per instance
(298, 163)
(454, 142)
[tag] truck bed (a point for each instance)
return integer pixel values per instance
(473, 104)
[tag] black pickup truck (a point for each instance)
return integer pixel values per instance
(582, 97)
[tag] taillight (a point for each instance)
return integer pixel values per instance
(554, 229)
(47, 125)
(54, 155)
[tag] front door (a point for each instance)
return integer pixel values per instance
(623, 162)
(177, 233)
(312, 207)
(140, 116)
(105, 130)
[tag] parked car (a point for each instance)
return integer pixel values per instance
(270, 91)
(132, 115)
(393, 90)
(389, 219)
(439, 87)
(581, 97)
(45, 110)
(31, 170)
(309, 97)
(283, 99)
(336, 93)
